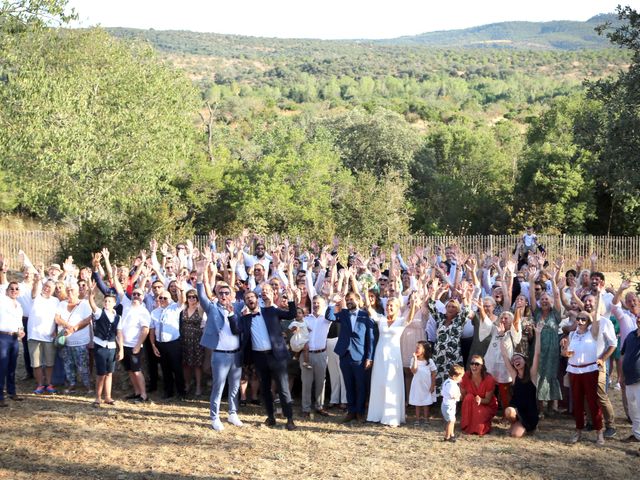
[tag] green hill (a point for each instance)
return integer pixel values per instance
(556, 35)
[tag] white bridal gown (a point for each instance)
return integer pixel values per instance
(386, 400)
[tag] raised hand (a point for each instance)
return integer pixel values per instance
(105, 254)
(67, 266)
(153, 245)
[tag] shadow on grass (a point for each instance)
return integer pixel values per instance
(22, 462)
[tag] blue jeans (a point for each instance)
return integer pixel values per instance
(225, 367)
(8, 362)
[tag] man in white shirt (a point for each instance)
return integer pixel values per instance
(165, 342)
(318, 331)
(132, 332)
(41, 330)
(10, 331)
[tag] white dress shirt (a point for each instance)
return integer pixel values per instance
(10, 315)
(166, 322)
(318, 331)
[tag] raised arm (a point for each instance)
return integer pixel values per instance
(533, 303)
(536, 353)
(513, 373)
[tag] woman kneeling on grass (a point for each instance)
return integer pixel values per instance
(522, 412)
(105, 325)
(479, 403)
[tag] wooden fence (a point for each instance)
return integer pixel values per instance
(614, 253)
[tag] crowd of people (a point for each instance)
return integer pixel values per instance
(515, 333)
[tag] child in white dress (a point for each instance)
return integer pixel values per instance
(300, 339)
(423, 385)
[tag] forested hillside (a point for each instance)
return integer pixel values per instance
(311, 137)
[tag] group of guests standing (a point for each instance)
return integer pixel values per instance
(389, 331)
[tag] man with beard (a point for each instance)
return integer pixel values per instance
(263, 342)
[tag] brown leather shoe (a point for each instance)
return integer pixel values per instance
(322, 412)
(349, 417)
(16, 398)
(361, 418)
(270, 422)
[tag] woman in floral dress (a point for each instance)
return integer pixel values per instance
(191, 327)
(449, 325)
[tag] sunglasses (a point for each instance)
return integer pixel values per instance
(16, 289)
(475, 364)
(163, 298)
(582, 319)
(192, 297)
(136, 294)
(222, 294)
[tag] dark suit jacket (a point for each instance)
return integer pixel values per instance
(272, 317)
(359, 342)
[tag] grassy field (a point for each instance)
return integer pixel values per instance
(64, 437)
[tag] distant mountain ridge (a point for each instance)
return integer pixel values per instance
(554, 35)
(559, 35)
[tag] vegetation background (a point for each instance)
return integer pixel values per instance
(119, 135)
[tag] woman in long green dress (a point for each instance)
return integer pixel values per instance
(547, 312)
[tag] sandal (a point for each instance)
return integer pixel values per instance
(97, 404)
(110, 402)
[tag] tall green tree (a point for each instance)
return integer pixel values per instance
(555, 185)
(90, 126)
(615, 141)
(462, 181)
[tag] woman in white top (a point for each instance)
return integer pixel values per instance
(581, 347)
(508, 333)
(70, 313)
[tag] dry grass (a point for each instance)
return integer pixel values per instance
(64, 437)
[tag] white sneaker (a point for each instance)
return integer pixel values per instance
(617, 386)
(234, 420)
(217, 425)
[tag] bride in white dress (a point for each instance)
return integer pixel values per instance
(386, 400)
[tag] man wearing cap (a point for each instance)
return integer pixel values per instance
(41, 329)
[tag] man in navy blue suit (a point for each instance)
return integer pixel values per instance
(264, 344)
(355, 348)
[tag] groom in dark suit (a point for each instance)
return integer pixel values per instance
(355, 348)
(263, 343)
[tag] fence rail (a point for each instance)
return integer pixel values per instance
(614, 253)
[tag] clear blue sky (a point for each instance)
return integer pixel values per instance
(330, 19)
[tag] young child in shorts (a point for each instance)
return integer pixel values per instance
(450, 396)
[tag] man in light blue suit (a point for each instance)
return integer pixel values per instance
(221, 336)
(355, 348)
